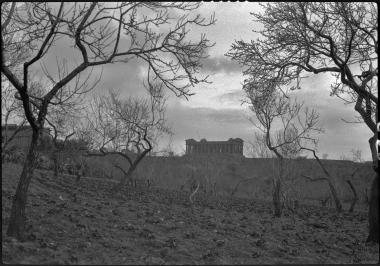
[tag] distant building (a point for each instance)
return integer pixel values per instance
(23, 137)
(231, 146)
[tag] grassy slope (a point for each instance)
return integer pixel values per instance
(84, 223)
(174, 171)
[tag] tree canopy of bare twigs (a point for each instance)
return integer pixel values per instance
(298, 38)
(102, 33)
(98, 34)
(128, 127)
(296, 125)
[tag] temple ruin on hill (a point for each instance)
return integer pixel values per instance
(231, 146)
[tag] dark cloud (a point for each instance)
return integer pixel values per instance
(220, 64)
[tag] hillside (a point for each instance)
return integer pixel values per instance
(225, 172)
(84, 223)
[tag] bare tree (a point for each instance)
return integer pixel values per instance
(337, 38)
(102, 33)
(124, 127)
(273, 109)
(327, 178)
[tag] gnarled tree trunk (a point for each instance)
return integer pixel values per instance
(127, 176)
(373, 213)
(17, 220)
(132, 168)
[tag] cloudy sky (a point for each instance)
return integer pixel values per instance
(215, 111)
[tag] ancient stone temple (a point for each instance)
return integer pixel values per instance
(231, 146)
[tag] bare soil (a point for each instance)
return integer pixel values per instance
(83, 222)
